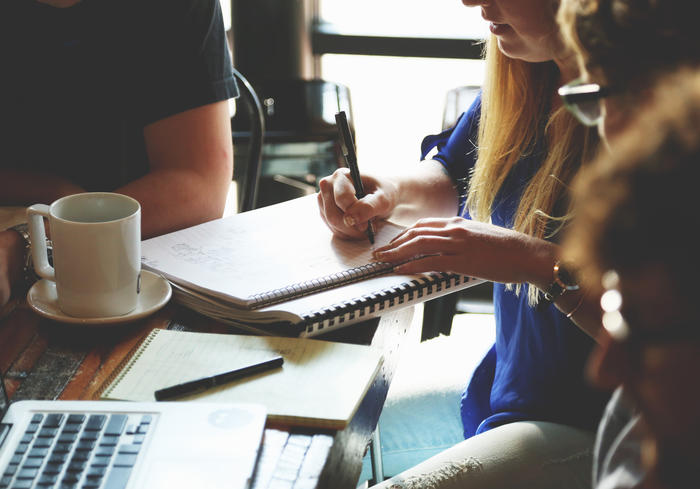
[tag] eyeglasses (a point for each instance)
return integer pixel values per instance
(619, 329)
(583, 100)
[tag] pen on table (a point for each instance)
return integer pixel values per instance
(205, 383)
(348, 148)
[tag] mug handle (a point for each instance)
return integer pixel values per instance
(37, 233)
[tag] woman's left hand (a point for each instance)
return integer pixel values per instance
(471, 248)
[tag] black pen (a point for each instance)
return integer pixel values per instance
(348, 148)
(205, 383)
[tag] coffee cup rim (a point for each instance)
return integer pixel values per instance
(61, 200)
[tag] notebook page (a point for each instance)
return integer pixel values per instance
(223, 257)
(320, 384)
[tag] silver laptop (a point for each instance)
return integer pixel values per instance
(116, 444)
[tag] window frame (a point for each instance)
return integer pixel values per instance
(326, 38)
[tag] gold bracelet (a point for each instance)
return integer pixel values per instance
(580, 301)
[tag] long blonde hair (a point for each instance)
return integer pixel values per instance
(515, 115)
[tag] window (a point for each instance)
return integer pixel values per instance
(409, 18)
(226, 12)
(397, 100)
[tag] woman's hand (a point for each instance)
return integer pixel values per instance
(347, 216)
(471, 248)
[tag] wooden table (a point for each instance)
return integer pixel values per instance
(43, 359)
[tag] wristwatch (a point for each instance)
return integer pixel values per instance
(29, 276)
(564, 279)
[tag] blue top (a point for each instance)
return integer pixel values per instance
(535, 370)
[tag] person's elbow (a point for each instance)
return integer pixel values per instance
(216, 177)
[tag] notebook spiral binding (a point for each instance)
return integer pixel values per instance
(369, 304)
(119, 372)
(309, 287)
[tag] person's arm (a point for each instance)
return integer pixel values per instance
(489, 252)
(431, 188)
(191, 167)
(19, 187)
(191, 160)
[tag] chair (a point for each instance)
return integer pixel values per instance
(301, 138)
(249, 183)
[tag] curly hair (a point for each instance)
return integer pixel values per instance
(634, 205)
(630, 43)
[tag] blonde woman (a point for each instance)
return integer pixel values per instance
(502, 174)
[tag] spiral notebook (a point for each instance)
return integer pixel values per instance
(280, 270)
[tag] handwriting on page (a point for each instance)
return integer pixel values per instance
(297, 247)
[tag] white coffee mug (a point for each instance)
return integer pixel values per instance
(96, 238)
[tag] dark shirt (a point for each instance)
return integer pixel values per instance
(535, 370)
(79, 84)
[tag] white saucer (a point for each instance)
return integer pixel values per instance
(155, 293)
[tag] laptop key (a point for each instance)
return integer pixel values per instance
(67, 437)
(117, 478)
(116, 424)
(47, 479)
(23, 447)
(38, 452)
(53, 420)
(32, 463)
(27, 473)
(95, 422)
(104, 451)
(62, 448)
(95, 472)
(52, 469)
(47, 432)
(90, 435)
(76, 419)
(76, 466)
(22, 484)
(124, 460)
(81, 455)
(58, 458)
(131, 449)
(85, 445)
(72, 428)
(101, 461)
(40, 443)
(109, 441)
(70, 478)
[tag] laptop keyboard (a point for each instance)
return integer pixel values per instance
(73, 451)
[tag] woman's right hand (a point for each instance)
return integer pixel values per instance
(347, 216)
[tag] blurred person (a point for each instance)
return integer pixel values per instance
(633, 233)
(622, 48)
